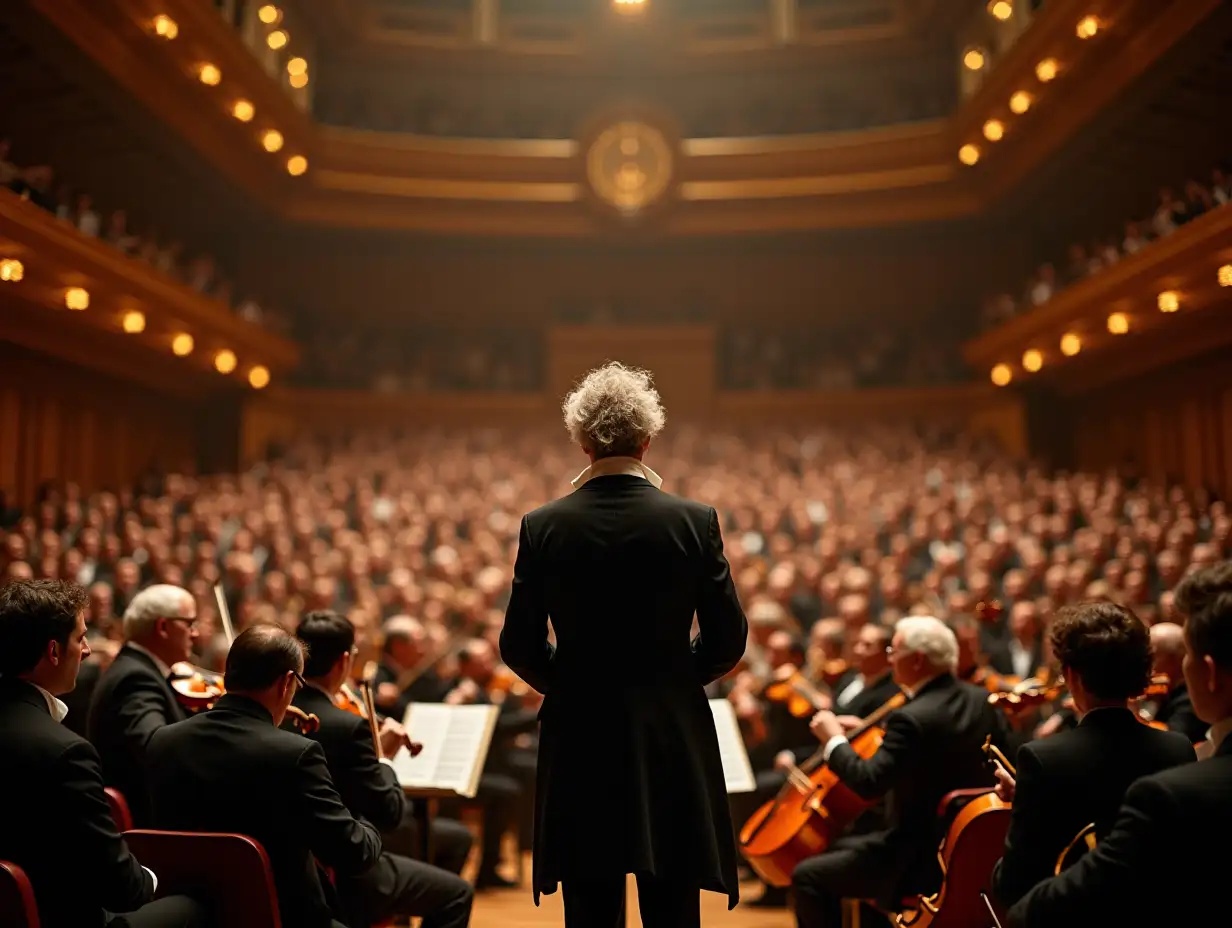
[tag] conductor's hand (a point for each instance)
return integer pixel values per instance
(1005, 784)
(393, 737)
(825, 725)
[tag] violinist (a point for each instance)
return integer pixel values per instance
(134, 698)
(1175, 709)
(1080, 776)
(405, 648)
(870, 683)
(1154, 867)
(1022, 654)
(397, 885)
(932, 745)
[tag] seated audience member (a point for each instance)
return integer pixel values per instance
(397, 885)
(56, 824)
(134, 698)
(232, 770)
(1175, 709)
(1154, 868)
(1078, 777)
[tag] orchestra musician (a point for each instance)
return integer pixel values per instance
(57, 824)
(396, 885)
(232, 770)
(1080, 776)
(404, 652)
(1175, 709)
(1156, 866)
(629, 776)
(1022, 654)
(870, 683)
(134, 698)
(932, 745)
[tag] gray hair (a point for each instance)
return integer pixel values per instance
(927, 635)
(615, 410)
(160, 601)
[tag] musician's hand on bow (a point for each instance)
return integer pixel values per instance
(394, 737)
(850, 723)
(1005, 784)
(465, 692)
(825, 725)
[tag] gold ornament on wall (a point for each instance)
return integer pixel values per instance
(629, 166)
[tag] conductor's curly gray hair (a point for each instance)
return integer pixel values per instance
(615, 410)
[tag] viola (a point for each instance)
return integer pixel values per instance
(347, 700)
(812, 810)
(195, 687)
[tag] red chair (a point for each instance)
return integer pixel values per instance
(230, 872)
(119, 810)
(17, 908)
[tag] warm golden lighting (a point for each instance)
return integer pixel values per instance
(629, 6)
(1001, 9)
(969, 154)
(243, 110)
(182, 345)
(1169, 301)
(298, 81)
(994, 130)
(1071, 344)
(297, 165)
(973, 59)
(1046, 70)
(259, 377)
(1032, 360)
(1020, 102)
(1087, 27)
(272, 140)
(277, 39)
(165, 26)
(297, 66)
(269, 14)
(209, 75)
(1001, 375)
(133, 322)
(1118, 323)
(1224, 275)
(76, 298)
(12, 270)
(224, 361)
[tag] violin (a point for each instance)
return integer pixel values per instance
(1029, 695)
(791, 688)
(198, 689)
(1146, 705)
(989, 611)
(347, 700)
(812, 810)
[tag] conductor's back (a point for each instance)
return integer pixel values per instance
(629, 778)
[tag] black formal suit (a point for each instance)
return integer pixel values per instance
(1001, 658)
(1176, 711)
(230, 770)
(57, 826)
(1070, 780)
(428, 687)
(78, 701)
(932, 745)
(131, 701)
(866, 701)
(1161, 863)
(622, 568)
(396, 885)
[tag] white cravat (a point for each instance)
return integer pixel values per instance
(607, 467)
(1020, 656)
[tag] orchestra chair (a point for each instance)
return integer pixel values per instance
(17, 908)
(120, 813)
(231, 872)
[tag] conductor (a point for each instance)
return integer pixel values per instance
(629, 776)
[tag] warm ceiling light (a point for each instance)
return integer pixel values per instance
(1001, 375)
(209, 75)
(1169, 301)
(1032, 360)
(224, 361)
(297, 165)
(629, 6)
(1071, 344)
(1001, 9)
(11, 270)
(297, 66)
(994, 130)
(1087, 27)
(243, 110)
(1020, 102)
(1046, 70)
(973, 59)
(272, 140)
(76, 298)
(259, 377)
(1118, 323)
(269, 14)
(182, 345)
(1223, 275)
(277, 39)
(298, 81)
(969, 154)
(165, 26)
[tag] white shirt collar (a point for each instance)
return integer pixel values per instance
(913, 691)
(57, 708)
(158, 661)
(1219, 731)
(607, 467)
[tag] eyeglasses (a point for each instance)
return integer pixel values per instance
(299, 678)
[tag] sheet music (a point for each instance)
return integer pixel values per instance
(455, 740)
(737, 771)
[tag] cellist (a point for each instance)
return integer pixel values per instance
(932, 745)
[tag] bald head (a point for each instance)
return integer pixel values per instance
(1168, 648)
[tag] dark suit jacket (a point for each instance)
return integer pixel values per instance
(131, 701)
(78, 701)
(1070, 780)
(932, 746)
(1160, 864)
(55, 823)
(621, 568)
(429, 687)
(1176, 711)
(230, 770)
(1002, 661)
(862, 705)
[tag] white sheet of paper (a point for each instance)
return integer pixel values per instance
(455, 740)
(737, 771)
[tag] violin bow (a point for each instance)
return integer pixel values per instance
(224, 614)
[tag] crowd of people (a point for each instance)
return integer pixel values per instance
(1083, 261)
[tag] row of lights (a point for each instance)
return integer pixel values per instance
(277, 39)
(1020, 101)
(1169, 301)
(209, 74)
(133, 322)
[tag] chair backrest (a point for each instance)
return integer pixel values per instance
(231, 873)
(17, 908)
(119, 809)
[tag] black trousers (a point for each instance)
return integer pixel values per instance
(398, 886)
(600, 903)
(169, 912)
(500, 795)
(451, 842)
(855, 867)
